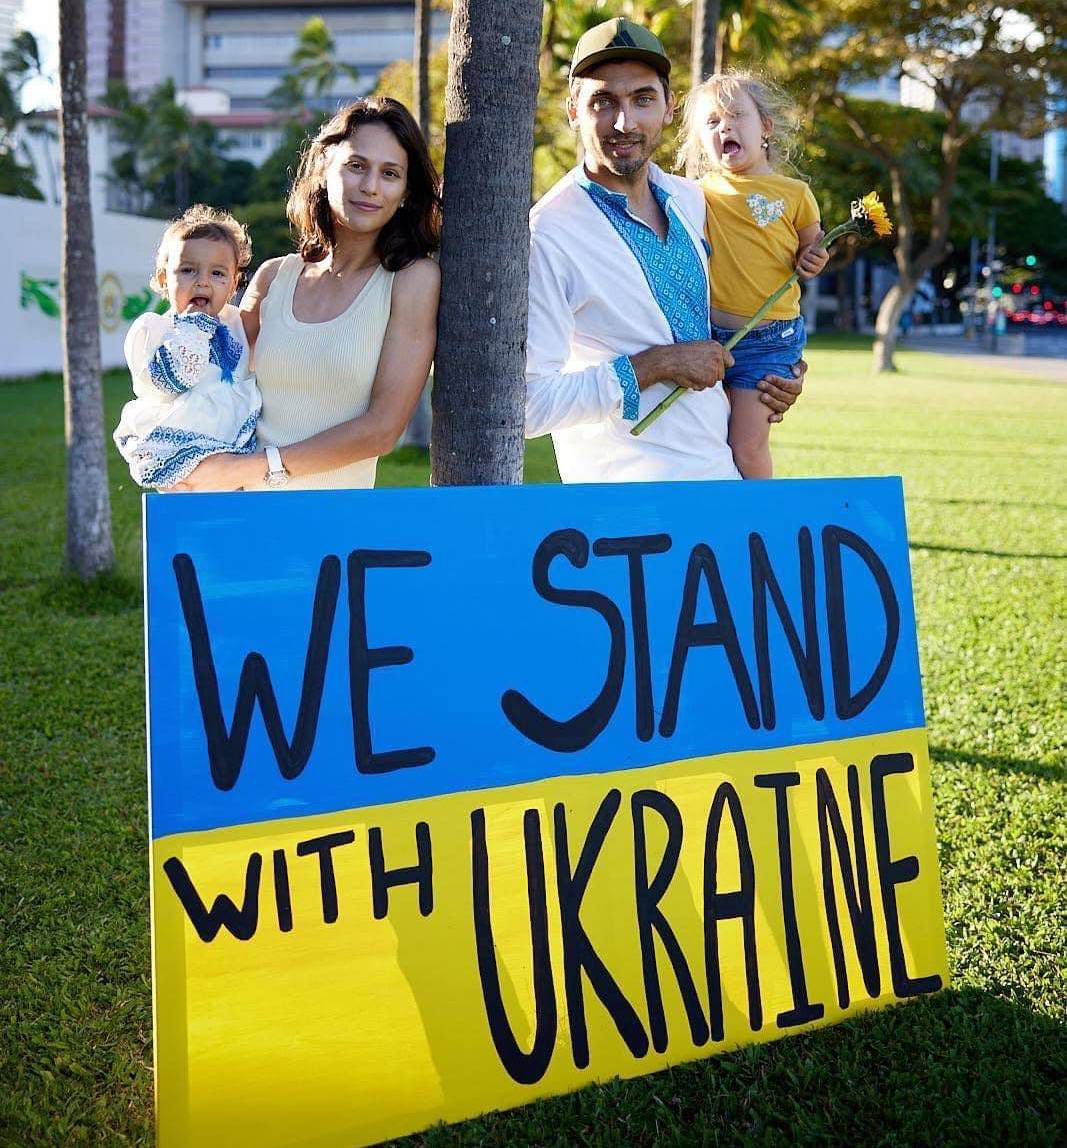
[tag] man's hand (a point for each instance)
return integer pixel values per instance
(780, 394)
(223, 472)
(696, 365)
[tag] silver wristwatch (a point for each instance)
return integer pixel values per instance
(277, 475)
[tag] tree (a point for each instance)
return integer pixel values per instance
(479, 381)
(704, 58)
(987, 68)
(21, 62)
(89, 548)
(314, 72)
(167, 159)
(752, 31)
(421, 65)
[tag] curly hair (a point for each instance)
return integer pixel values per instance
(773, 104)
(413, 232)
(202, 222)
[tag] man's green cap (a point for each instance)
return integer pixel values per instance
(618, 39)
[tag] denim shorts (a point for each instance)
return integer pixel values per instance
(770, 350)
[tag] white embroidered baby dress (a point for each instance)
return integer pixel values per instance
(195, 395)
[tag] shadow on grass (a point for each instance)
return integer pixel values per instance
(959, 1068)
(110, 594)
(870, 447)
(913, 545)
(1033, 504)
(1000, 763)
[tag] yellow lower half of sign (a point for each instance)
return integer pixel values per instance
(368, 973)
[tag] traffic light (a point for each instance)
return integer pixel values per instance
(997, 292)
(1031, 261)
(1035, 290)
(1016, 288)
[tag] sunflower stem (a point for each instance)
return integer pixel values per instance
(737, 336)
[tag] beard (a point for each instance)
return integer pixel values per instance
(630, 164)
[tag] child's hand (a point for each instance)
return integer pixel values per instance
(811, 258)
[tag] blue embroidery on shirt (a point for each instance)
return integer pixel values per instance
(631, 391)
(165, 372)
(167, 455)
(201, 320)
(672, 267)
(225, 352)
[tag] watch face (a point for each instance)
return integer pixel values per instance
(277, 478)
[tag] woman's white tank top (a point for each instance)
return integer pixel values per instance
(316, 375)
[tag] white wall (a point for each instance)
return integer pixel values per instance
(29, 272)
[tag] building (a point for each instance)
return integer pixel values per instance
(242, 48)
(9, 10)
(225, 57)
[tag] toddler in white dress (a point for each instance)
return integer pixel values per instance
(195, 395)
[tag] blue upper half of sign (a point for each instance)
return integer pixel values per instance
(318, 651)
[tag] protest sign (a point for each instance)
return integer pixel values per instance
(464, 797)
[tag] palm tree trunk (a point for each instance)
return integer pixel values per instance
(705, 40)
(418, 428)
(89, 548)
(479, 377)
(423, 11)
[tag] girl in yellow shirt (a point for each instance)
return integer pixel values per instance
(761, 226)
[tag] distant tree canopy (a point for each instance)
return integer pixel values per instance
(819, 48)
(167, 159)
(314, 72)
(20, 63)
(984, 66)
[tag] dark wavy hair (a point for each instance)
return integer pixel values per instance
(415, 229)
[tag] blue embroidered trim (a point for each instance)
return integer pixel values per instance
(166, 455)
(672, 267)
(225, 352)
(201, 320)
(165, 373)
(631, 391)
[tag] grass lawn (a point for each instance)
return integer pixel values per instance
(984, 1062)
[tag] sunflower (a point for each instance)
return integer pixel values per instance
(870, 210)
(869, 220)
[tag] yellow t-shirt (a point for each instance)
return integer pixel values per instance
(752, 225)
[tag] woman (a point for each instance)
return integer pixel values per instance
(343, 333)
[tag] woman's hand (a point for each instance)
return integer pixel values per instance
(780, 394)
(224, 472)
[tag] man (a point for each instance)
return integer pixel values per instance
(619, 286)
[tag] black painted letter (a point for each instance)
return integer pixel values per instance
(362, 659)
(421, 873)
(324, 847)
(724, 906)
(226, 747)
(892, 873)
(806, 655)
(223, 912)
(586, 726)
(846, 703)
(650, 919)
(857, 889)
(578, 952)
(524, 1067)
(635, 549)
(690, 633)
(803, 1010)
